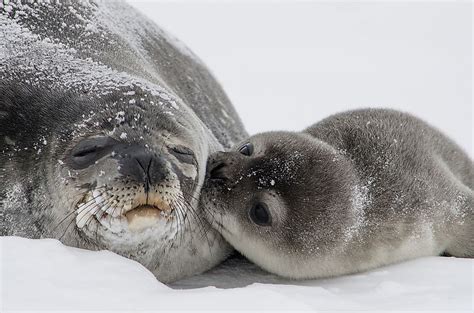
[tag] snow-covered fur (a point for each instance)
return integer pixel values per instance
(85, 87)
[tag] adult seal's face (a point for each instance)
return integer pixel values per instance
(279, 200)
(109, 175)
(106, 124)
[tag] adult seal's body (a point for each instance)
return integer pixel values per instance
(106, 124)
(355, 191)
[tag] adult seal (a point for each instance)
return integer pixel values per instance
(106, 124)
(355, 191)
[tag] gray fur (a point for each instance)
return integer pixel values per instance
(75, 70)
(355, 191)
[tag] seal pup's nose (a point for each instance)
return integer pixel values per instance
(217, 167)
(218, 171)
(142, 166)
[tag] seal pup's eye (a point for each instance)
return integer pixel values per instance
(86, 152)
(246, 149)
(183, 154)
(260, 215)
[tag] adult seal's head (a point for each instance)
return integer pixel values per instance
(355, 191)
(106, 124)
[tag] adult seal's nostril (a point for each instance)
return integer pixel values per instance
(142, 165)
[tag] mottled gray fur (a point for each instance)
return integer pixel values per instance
(355, 191)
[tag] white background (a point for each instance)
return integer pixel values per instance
(287, 64)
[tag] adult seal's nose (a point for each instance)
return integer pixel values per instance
(141, 165)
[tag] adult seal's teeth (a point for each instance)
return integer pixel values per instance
(143, 217)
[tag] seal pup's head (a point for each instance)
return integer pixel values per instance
(285, 200)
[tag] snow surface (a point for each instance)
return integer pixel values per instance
(46, 275)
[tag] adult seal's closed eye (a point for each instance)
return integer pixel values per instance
(106, 123)
(355, 191)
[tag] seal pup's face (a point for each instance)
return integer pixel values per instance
(280, 198)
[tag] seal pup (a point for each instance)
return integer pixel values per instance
(106, 124)
(356, 191)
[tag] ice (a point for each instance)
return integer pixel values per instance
(65, 278)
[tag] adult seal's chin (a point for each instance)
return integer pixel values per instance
(105, 129)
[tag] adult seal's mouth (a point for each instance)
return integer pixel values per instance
(103, 207)
(106, 123)
(145, 216)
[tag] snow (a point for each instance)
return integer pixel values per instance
(65, 278)
(301, 62)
